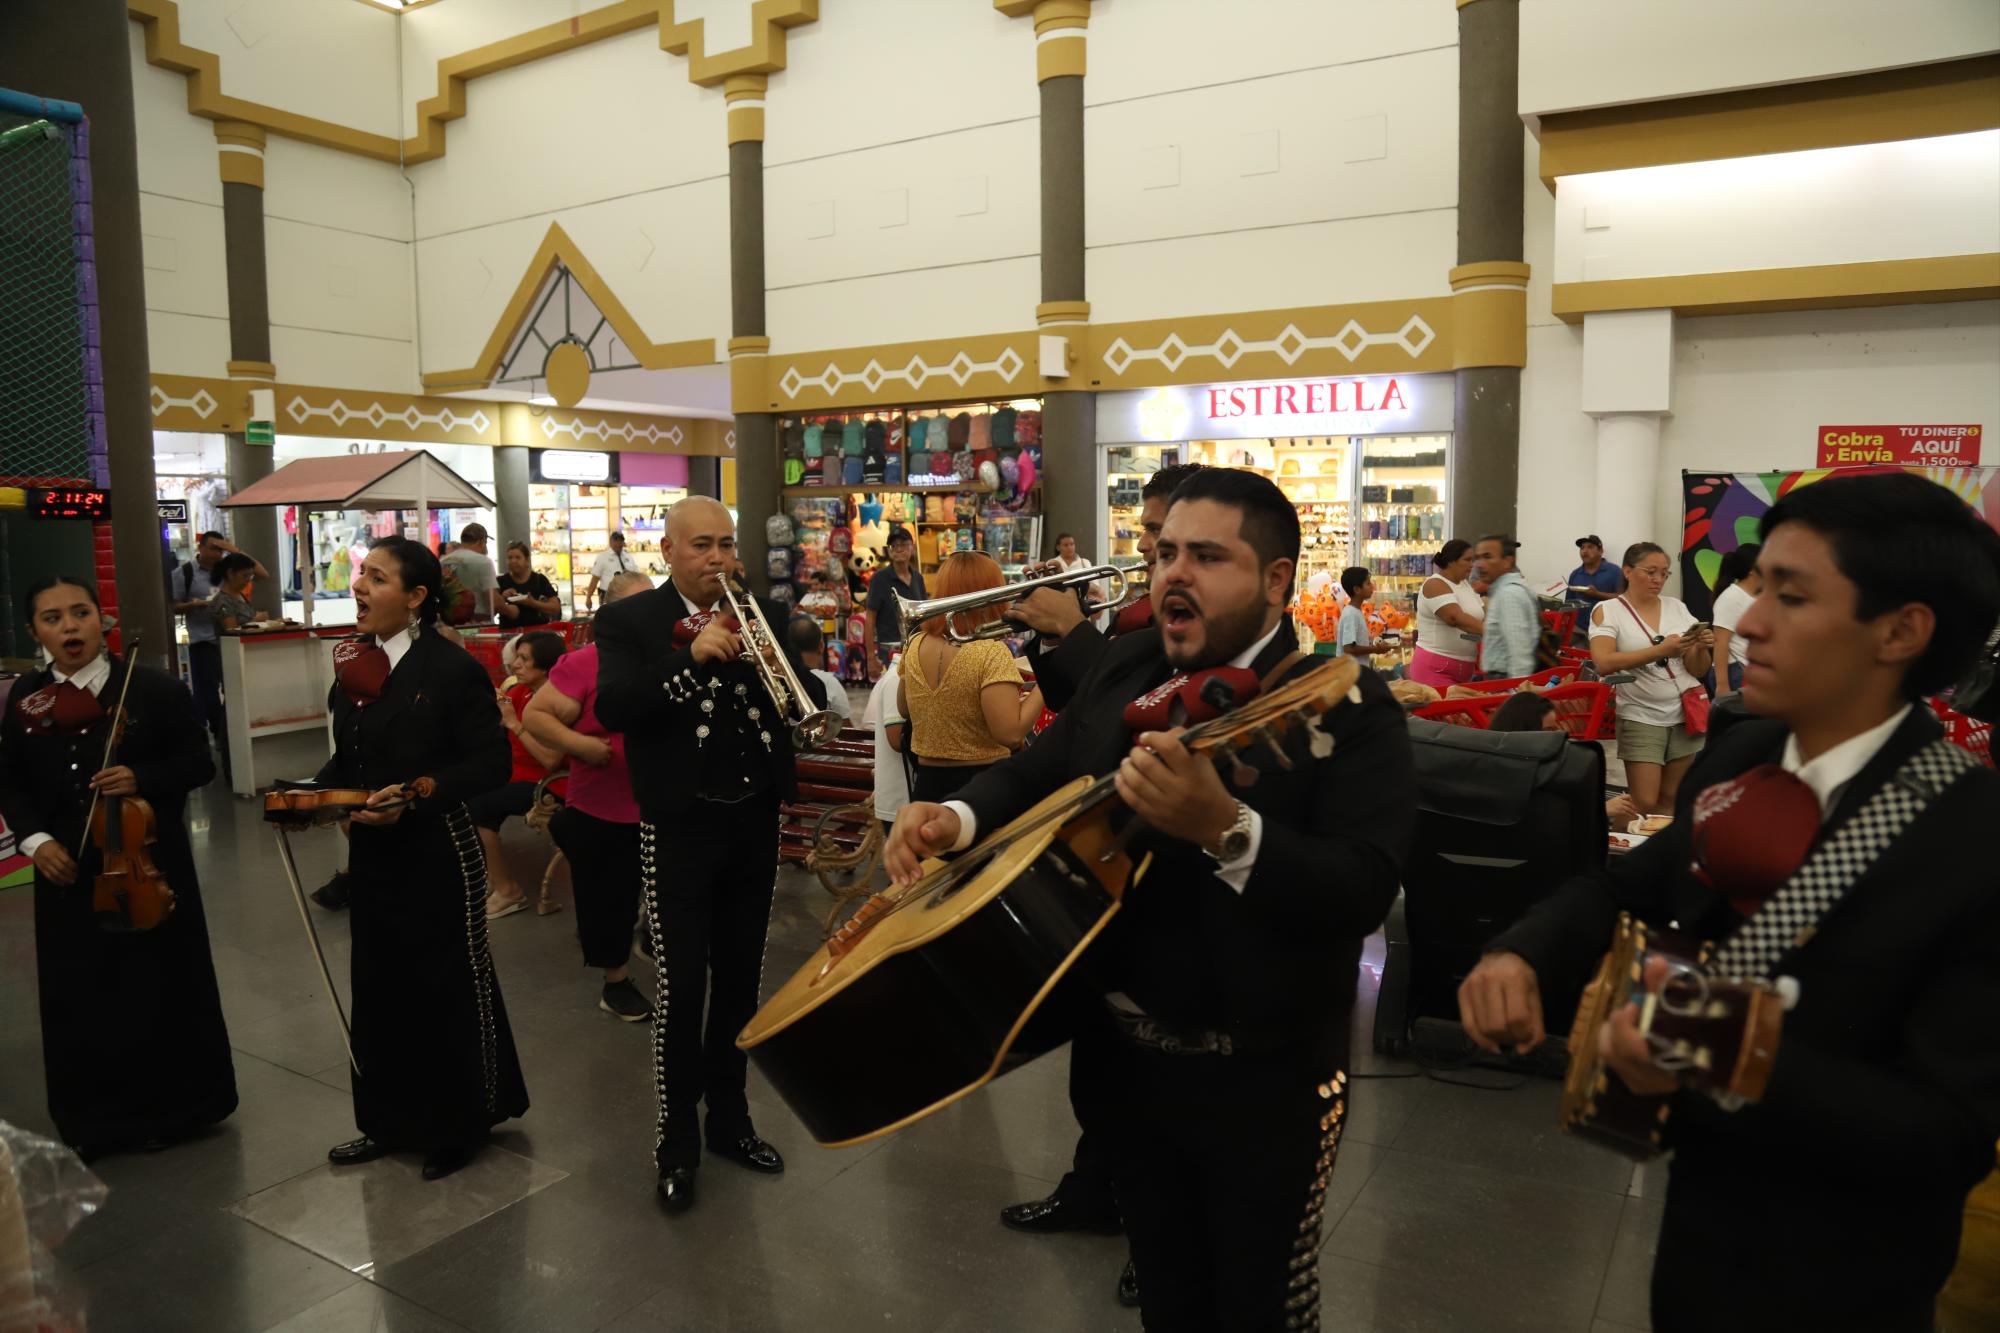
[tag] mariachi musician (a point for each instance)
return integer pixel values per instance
(710, 754)
(414, 725)
(1841, 814)
(1227, 977)
(133, 1040)
(1067, 645)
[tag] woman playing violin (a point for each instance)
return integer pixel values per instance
(133, 1040)
(437, 1068)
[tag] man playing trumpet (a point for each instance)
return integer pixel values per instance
(710, 752)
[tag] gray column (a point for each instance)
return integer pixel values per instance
(705, 477)
(510, 496)
(1070, 499)
(1486, 442)
(254, 530)
(757, 476)
(79, 51)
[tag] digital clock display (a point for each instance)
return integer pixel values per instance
(70, 502)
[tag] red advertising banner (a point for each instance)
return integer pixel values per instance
(1905, 446)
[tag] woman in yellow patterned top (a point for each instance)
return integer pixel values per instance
(964, 702)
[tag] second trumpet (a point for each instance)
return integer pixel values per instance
(915, 613)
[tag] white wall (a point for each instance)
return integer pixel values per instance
(180, 220)
(1917, 198)
(335, 62)
(1582, 53)
(902, 186)
(612, 142)
(1749, 394)
(1300, 154)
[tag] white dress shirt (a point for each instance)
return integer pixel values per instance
(395, 646)
(91, 678)
(1234, 872)
(1829, 774)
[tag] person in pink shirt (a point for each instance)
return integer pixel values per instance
(598, 826)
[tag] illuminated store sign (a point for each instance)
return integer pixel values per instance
(1267, 409)
(579, 465)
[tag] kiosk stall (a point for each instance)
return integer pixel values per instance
(275, 680)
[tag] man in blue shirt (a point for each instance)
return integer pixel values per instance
(1513, 622)
(1593, 581)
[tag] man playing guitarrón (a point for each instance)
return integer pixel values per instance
(1227, 977)
(1835, 841)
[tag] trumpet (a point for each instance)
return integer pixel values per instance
(761, 649)
(914, 613)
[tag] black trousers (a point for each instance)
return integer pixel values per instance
(1087, 1184)
(604, 877)
(708, 872)
(1221, 1164)
(491, 809)
(205, 669)
(940, 782)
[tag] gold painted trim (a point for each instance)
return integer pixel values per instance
(1492, 272)
(199, 403)
(746, 124)
(1062, 312)
(1061, 59)
(241, 133)
(1365, 338)
(1952, 97)
(1489, 327)
(1812, 287)
(739, 86)
(252, 370)
(557, 247)
(769, 20)
(1061, 14)
(748, 345)
(943, 370)
(240, 168)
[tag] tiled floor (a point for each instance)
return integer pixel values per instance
(1452, 1208)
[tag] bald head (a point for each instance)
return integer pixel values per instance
(700, 547)
(625, 584)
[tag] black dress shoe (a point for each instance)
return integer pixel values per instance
(752, 1152)
(353, 1154)
(333, 894)
(1128, 1287)
(1056, 1213)
(676, 1189)
(445, 1161)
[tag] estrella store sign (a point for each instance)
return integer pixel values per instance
(1899, 446)
(1359, 405)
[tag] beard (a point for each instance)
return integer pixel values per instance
(1224, 635)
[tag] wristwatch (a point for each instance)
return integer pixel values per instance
(1235, 839)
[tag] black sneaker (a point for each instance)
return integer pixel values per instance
(622, 1000)
(333, 894)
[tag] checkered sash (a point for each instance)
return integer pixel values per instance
(1817, 887)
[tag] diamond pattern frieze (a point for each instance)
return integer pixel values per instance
(201, 402)
(1288, 346)
(873, 376)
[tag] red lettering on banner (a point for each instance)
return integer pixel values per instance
(1285, 403)
(1326, 397)
(1312, 389)
(1905, 446)
(1393, 397)
(1214, 403)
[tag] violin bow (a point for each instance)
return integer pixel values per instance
(110, 743)
(312, 938)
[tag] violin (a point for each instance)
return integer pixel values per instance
(307, 806)
(130, 892)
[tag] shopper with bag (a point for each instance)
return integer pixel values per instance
(1663, 708)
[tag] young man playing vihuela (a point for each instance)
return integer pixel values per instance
(1225, 982)
(1835, 840)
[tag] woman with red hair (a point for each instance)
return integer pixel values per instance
(965, 705)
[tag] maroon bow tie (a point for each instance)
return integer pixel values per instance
(361, 669)
(62, 707)
(1133, 616)
(688, 629)
(1752, 833)
(1179, 701)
